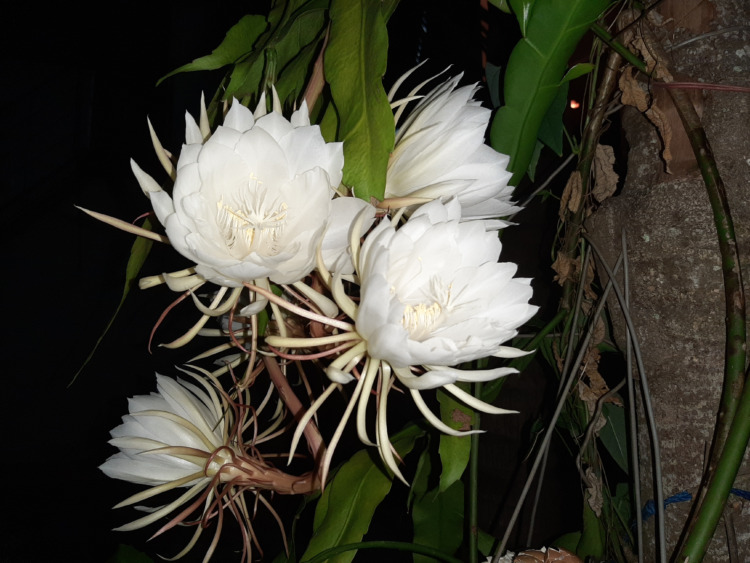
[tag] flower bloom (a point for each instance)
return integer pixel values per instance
(254, 200)
(440, 151)
(188, 435)
(434, 294)
(180, 415)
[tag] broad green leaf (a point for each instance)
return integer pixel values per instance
(551, 128)
(439, 520)
(138, 254)
(355, 62)
(237, 43)
(454, 451)
(522, 9)
(345, 509)
(614, 436)
(551, 30)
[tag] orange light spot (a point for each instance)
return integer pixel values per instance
(574, 104)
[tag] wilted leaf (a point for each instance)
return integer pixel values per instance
(594, 496)
(605, 177)
(571, 197)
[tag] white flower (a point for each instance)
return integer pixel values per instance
(179, 416)
(189, 435)
(254, 200)
(434, 294)
(440, 151)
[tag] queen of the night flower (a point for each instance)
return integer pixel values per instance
(189, 435)
(432, 296)
(440, 152)
(254, 200)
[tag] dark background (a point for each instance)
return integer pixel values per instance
(77, 87)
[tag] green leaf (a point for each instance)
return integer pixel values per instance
(237, 43)
(355, 62)
(494, 78)
(501, 5)
(454, 451)
(439, 519)
(387, 7)
(138, 254)
(486, 543)
(535, 160)
(420, 482)
(613, 435)
(551, 128)
(576, 71)
(294, 32)
(296, 51)
(128, 554)
(522, 9)
(551, 30)
(568, 541)
(345, 509)
(591, 543)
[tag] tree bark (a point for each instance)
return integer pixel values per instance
(677, 297)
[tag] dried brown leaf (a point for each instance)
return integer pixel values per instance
(594, 491)
(605, 177)
(564, 267)
(571, 197)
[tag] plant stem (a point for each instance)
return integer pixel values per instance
(588, 149)
(474, 485)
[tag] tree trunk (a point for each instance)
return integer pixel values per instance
(676, 288)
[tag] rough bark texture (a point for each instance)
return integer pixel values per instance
(677, 299)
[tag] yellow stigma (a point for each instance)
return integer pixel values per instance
(420, 319)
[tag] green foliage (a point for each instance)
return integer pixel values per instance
(346, 506)
(536, 67)
(438, 515)
(551, 127)
(438, 518)
(355, 62)
(454, 450)
(613, 436)
(128, 554)
(237, 44)
(591, 543)
(138, 254)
